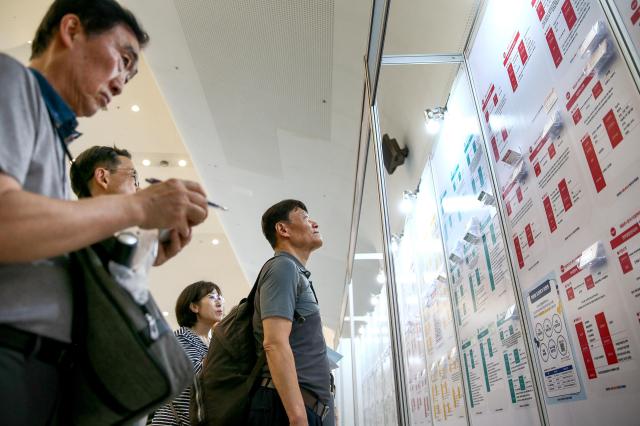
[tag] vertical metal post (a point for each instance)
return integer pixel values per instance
(397, 350)
(524, 324)
(354, 376)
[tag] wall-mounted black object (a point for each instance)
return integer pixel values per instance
(392, 154)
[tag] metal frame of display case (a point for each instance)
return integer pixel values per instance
(395, 331)
(624, 39)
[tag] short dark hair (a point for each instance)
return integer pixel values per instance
(191, 294)
(96, 16)
(88, 161)
(278, 212)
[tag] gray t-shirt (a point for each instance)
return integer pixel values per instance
(34, 296)
(283, 290)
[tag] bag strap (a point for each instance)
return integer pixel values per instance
(252, 294)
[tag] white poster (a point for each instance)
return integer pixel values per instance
(561, 112)
(550, 333)
(494, 365)
(443, 366)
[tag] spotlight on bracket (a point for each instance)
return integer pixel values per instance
(433, 118)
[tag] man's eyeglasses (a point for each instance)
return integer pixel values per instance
(216, 297)
(132, 173)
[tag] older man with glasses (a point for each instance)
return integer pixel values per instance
(82, 56)
(104, 170)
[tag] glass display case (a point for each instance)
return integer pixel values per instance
(374, 373)
(495, 261)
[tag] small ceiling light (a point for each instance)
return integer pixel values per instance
(395, 242)
(408, 200)
(146, 162)
(135, 108)
(381, 278)
(182, 163)
(433, 118)
(29, 42)
(165, 313)
(215, 241)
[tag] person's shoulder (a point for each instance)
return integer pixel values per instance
(282, 265)
(11, 68)
(185, 334)
(15, 79)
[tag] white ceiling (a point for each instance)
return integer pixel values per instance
(266, 96)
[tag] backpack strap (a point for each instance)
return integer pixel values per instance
(252, 294)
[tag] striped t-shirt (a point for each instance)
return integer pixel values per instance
(196, 351)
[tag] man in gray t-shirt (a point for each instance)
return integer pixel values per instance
(83, 54)
(295, 387)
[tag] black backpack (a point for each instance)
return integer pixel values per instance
(221, 393)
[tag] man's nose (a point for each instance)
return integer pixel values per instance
(117, 84)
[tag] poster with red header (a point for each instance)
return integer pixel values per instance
(562, 138)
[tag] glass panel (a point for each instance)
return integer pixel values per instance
(344, 377)
(427, 27)
(432, 363)
(376, 398)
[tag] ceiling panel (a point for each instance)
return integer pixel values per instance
(267, 97)
(429, 26)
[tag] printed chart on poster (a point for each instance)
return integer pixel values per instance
(443, 363)
(494, 362)
(377, 400)
(561, 113)
(409, 282)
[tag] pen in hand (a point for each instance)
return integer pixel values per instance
(210, 203)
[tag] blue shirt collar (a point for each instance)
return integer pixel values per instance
(62, 116)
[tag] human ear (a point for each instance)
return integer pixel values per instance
(194, 308)
(69, 28)
(101, 177)
(281, 229)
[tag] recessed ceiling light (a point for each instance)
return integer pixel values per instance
(29, 42)
(146, 162)
(182, 163)
(135, 108)
(215, 241)
(165, 313)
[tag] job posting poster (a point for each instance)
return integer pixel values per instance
(496, 370)
(561, 112)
